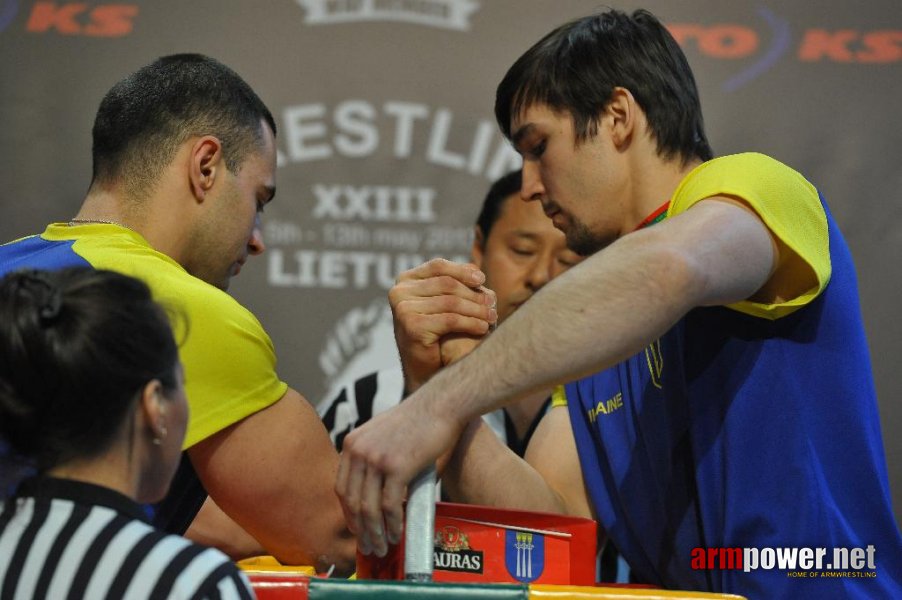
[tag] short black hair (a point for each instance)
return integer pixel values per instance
(502, 189)
(77, 346)
(576, 67)
(144, 118)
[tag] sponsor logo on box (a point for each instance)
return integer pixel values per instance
(524, 555)
(453, 552)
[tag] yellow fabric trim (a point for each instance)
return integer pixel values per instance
(266, 564)
(228, 358)
(575, 592)
(786, 202)
(558, 397)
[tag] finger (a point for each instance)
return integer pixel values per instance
(466, 273)
(429, 330)
(394, 491)
(371, 512)
(490, 297)
(341, 486)
(413, 308)
(351, 502)
(437, 287)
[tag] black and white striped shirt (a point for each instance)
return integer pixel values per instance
(73, 540)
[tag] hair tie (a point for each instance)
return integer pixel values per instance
(50, 310)
(46, 294)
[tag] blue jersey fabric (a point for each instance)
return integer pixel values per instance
(31, 252)
(228, 358)
(37, 253)
(173, 514)
(738, 431)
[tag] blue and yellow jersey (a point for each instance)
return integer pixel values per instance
(787, 204)
(748, 425)
(228, 358)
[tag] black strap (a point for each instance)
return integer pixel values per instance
(517, 445)
(177, 510)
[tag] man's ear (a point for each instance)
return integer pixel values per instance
(621, 115)
(206, 163)
(477, 252)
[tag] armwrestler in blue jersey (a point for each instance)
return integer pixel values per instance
(726, 398)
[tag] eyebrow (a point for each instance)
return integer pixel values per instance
(521, 133)
(522, 234)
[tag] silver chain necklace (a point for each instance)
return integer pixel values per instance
(75, 222)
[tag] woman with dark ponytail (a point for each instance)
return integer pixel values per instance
(92, 402)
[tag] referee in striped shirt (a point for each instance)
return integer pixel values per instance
(92, 397)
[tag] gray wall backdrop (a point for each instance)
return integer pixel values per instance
(387, 141)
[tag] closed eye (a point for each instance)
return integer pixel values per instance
(536, 151)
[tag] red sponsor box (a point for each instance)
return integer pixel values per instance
(479, 544)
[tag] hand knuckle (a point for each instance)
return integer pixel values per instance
(447, 284)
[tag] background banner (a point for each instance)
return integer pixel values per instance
(387, 140)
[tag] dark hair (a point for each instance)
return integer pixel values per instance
(501, 190)
(144, 118)
(576, 67)
(76, 347)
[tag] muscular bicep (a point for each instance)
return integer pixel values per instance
(552, 453)
(274, 474)
(728, 247)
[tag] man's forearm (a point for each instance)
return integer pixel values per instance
(273, 473)
(212, 527)
(593, 316)
(484, 471)
(610, 307)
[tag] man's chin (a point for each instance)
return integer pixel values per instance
(220, 282)
(585, 243)
(225, 281)
(585, 247)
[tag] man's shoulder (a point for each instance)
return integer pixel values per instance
(38, 252)
(747, 160)
(738, 174)
(17, 242)
(124, 251)
(167, 279)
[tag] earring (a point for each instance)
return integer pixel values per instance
(157, 440)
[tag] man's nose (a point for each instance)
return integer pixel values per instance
(531, 187)
(255, 244)
(540, 272)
